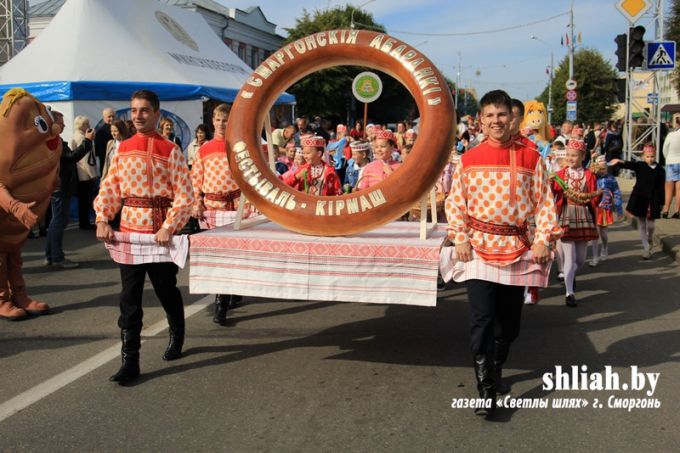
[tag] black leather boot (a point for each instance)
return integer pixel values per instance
(486, 385)
(501, 351)
(129, 371)
(222, 302)
(236, 301)
(174, 349)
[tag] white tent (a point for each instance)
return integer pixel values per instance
(95, 53)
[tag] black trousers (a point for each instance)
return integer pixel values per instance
(163, 277)
(495, 312)
(85, 198)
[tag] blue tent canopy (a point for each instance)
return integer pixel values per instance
(121, 91)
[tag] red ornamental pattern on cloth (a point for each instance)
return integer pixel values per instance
(578, 145)
(269, 261)
(384, 134)
(145, 167)
(503, 185)
(312, 140)
(137, 248)
(210, 174)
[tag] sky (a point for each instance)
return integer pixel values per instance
(508, 60)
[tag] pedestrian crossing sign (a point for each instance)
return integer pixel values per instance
(661, 55)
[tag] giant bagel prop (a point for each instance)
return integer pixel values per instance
(365, 209)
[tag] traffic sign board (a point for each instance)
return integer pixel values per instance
(572, 95)
(571, 84)
(633, 9)
(652, 98)
(660, 55)
(571, 110)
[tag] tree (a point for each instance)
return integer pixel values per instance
(673, 34)
(328, 93)
(596, 87)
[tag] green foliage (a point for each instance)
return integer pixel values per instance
(328, 92)
(596, 87)
(673, 34)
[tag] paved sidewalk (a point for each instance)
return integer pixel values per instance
(667, 233)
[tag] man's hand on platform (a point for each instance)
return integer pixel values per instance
(104, 232)
(540, 253)
(163, 237)
(464, 252)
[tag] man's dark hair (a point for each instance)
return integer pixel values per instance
(520, 106)
(149, 96)
(497, 98)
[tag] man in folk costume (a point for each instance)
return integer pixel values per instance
(315, 177)
(497, 187)
(216, 194)
(148, 182)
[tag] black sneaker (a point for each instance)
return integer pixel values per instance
(570, 301)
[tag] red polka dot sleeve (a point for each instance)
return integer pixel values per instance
(109, 200)
(182, 195)
(456, 208)
(197, 174)
(547, 228)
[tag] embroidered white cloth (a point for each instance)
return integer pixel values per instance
(520, 273)
(141, 248)
(214, 219)
(388, 265)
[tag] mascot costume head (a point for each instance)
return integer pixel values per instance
(536, 118)
(29, 158)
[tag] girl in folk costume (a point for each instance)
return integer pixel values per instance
(576, 197)
(296, 162)
(555, 162)
(383, 165)
(315, 177)
(356, 165)
(648, 196)
(604, 214)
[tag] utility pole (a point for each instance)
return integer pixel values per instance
(571, 42)
(457, 83)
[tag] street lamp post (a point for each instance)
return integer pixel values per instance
(552, 70)
(351, 21)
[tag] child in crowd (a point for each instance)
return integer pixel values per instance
(556, 162)
(410, 137)
(298, 160)
(604, 213)
(315, 177)
(336, 151)
(576, 198)
(648, 196)
(405, 152)
(356, 165)
(383, 165)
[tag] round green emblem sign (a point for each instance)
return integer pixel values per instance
(367, 87)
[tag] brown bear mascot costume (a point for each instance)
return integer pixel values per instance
(30, 148)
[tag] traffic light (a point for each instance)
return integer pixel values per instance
(636, 47)
(620, 88)
(621, 52)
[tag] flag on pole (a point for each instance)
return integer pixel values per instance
(561, 41)
(578, 38)
(567, 39)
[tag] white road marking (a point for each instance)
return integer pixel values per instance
(40, 391)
